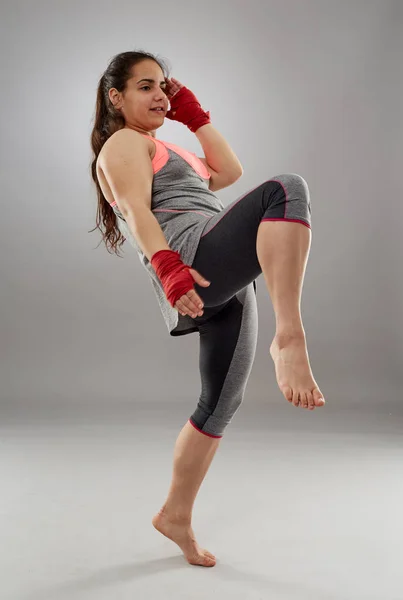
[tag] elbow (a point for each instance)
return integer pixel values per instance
(237, 174)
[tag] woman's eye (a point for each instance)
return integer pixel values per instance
(164, 89)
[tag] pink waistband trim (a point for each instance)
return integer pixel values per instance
(198, 212)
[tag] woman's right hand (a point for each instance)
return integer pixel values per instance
(190, 303)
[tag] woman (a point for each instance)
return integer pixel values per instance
(161, 198)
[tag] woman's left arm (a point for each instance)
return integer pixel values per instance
(219, 154)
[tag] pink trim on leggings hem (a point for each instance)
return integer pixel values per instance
(209, 434)
(292, 220)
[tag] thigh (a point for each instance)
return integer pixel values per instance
(226, 254)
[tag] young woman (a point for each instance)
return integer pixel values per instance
(202, 258)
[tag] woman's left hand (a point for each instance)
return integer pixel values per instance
(173, 86)
(185, 107)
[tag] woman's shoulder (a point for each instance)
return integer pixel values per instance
(125, 136)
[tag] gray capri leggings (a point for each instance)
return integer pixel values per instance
(226, 256)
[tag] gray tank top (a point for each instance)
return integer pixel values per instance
(182, 204)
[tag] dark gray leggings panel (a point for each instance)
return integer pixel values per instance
(227, 351)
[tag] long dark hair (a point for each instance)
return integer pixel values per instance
(107, 121)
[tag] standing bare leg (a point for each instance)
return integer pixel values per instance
(282, 249)
(193, 455)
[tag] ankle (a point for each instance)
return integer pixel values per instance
(177, 515)
(284, 337)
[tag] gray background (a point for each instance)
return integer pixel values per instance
(88, 368)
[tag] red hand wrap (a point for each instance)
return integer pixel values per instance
(173, 274)
(188, 110)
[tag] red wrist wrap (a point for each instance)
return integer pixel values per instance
(173, 274)
(188, 110)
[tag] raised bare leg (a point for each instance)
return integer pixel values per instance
(283, 249)
(193, 454)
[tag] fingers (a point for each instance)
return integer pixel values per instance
(199, 278)
(173, 86)
(190, 304)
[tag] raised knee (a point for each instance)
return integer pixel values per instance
(297, 178)
(295, 186)
(300, 183)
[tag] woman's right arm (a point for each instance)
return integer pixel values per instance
(127, 167)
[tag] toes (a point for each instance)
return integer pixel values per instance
(304, 399)
(287, 391)
(204, 561)
(318, 398)
(209, 559)
(209, 562)
(311, 402)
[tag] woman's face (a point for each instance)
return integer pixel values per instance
(141, 96)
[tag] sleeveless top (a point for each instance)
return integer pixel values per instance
(182, 204)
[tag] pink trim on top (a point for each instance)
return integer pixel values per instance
(198, 212)
(162, 156)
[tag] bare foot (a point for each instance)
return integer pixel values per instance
(182, 534)
(293, 372)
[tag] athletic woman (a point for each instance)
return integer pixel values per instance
(202, 258)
